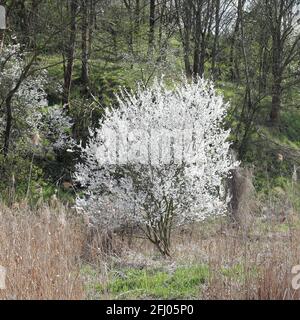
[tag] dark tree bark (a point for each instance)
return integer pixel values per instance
(276, 99)
(183, 14)
(215, 49)
(194, 19)
(202, 31)
(276, 69)
(151, 27)
(281, 16)
(234, 65)
(137, 16)
(85, 45)
(198, 67)
(92, 23)
(69, 55)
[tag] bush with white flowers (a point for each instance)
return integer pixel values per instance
(30, 111)
(158, 160)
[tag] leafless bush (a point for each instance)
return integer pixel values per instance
(243, 202)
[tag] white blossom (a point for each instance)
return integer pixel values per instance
(56, 127)
(31, 112)
(184, 188)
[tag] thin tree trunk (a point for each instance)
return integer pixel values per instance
(216, 41)
(2, 33)
(92, 24)
(151, 27)
(85, 46)
(187, 50)
(137, 17)
(70, 51)
(197, 48)
(183, 14)
(277, 77)
(276, 101)
(234, 67)
(8, 125)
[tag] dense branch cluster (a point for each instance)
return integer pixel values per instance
(28, 105)
(158, 160)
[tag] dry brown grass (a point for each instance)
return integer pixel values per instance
(253, 266)
(256, 267)
(41, 252)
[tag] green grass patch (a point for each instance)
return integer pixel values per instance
(183, 283)
(238, 272)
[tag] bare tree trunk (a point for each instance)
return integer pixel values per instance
(202, 30)
(234, 67)
(151, 27)
(183, 13)
(277, 77)
(137, 16)
(84, 45)
(131, 29)
(8, 125)
(216, 40)
(197, 48)
(2, 33)
(187, 63)
(162, 9)
(91, 25)
(276, 101)
(70, 52)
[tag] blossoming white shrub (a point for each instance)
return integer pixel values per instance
(31, 113)
(158, 160)
(56, 127)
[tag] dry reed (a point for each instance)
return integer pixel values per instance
(41, 253)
